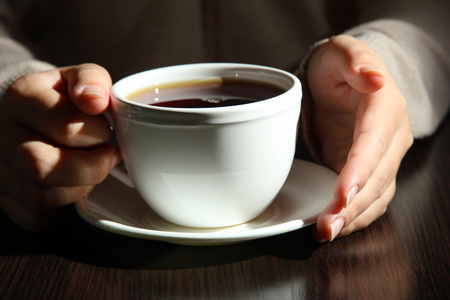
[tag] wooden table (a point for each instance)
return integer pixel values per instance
(403, 255)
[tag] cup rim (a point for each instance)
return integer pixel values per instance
(194, 116)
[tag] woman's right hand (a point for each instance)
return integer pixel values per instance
(362, 125)
(53, 142)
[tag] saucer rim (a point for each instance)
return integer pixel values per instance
(204, 238)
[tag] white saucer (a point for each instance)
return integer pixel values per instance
(114, 207)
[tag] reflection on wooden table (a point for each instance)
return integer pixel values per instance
(403, 255)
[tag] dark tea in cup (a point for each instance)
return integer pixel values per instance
(210, 167)
(207, 93)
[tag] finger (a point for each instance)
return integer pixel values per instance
(354, 63)
(375, 130)
(372, 213)
(52, 166)
(322, 230)
(336, 222)
(89, 86)
(28, 219)
(45, 110)
(35, 197)
(47, 165)
(380, 185)
(372, 79)
(337, 225)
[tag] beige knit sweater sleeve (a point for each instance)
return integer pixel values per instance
(15, 59)
(411, 36)
(413, 40)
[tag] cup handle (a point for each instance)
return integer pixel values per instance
(120, 173)
(108, 116)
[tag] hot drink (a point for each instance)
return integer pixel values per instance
(207, 167)
(215, 92)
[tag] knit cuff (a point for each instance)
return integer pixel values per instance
(307, 111)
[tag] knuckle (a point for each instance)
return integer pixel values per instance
(386, 191)
(40, 162)
(24, 80)
(381, 143)
(92, 68)
(87, 131)
(26, 84)
(92, 169)
(101, 172)
(78, 130)
(352, 49)
(351, 212)
(68, 134)
(88, 67)
(382, 180)
(383, 210)
(20, 86)
(384, 201)
(25, 93)
(41, 170)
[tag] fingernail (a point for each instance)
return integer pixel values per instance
(371, 71)
(351, 194)
(92, 91)
(336, 228)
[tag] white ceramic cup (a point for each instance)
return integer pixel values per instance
(208, 167)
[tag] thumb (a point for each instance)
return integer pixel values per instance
(366, 79)
(346, 60)
(89, 86)
(361, 67)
